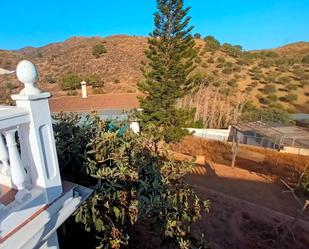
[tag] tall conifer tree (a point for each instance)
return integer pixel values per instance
(170, 56)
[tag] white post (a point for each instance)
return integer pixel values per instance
(134, 125)
(43, 161)
(84, 89)
(4, 157)
(18, 173)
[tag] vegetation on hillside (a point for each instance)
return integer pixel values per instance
(229, 66)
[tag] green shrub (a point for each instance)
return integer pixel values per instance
(227, 70)
(243, 62)
(50, 79)
(204, 65)
(70, 82)
(284, 80)
(264, 100)
(268, 114)
(272, 97)
(237, 69)
(199, 124)
(291, 87)
(95, 81)
(97, 91)
(290, 97)
(197, 36)
(221, 60)
(305, 59)
(234, 51)
(237, 76)
(271, 88)
(134, 185)
(198, 60)
(249, 89)
(212, 44)
(254, 84)
(98, 50)
(210, 60)
(267, 63)
(232, 83)
(283, 68)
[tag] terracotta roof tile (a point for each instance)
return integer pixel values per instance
(94, 102)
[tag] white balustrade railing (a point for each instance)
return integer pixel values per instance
(4, 158)
(29, 163)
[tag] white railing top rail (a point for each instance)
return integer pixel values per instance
(11, 116)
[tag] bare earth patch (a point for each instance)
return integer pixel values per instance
(249, 206)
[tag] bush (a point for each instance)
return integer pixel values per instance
(70, 82)
(291, 97)
(134, 185)
(204, 65)
(269, 89)
(267, 63)
(284, 80)
(210, 60)
(249, 89)
(254, 84)
(269, 114)
(283, 68)
(291, 87)
(95, 81)
(237, 69)
(198, 60)
(212, 44)
(50, 79)
(221, 60)
(272, 98)
(227, 70)
(264, 100)
(98, 50)
(305, 59)
(199, 124)
(232, 83)
(97, 91)
(234, 51)
(197, 36)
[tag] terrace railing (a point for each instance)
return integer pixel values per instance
(29, 171)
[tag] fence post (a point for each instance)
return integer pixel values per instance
(44, 168)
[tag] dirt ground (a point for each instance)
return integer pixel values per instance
(249, 202)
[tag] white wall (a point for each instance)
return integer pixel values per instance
(214, 134)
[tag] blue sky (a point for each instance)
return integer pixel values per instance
(254, 24)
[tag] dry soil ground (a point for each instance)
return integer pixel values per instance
(248, 202)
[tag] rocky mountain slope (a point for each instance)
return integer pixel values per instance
(270, 77)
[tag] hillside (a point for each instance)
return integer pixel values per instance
(269, 77)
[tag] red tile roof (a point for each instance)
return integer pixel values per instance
(94, 102)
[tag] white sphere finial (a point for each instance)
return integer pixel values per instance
(27, 74)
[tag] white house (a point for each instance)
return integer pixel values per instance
(34, 201)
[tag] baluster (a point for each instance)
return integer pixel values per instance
(18, 173)
(4, 157)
